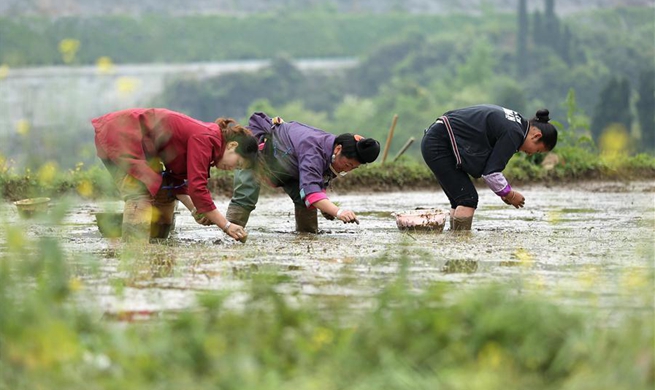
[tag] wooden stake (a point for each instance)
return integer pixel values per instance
(409, 142)
(388, 144)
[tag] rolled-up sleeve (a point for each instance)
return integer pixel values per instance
(310, 167)
(199, 156)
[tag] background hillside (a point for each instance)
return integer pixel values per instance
(592, 64)
(211, 7)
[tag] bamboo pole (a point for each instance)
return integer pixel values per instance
(409, 143)
(388, 144)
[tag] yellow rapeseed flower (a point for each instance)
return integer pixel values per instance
(75, 284)
(634, 279)
(105, 65)
(47, 172)
(523, 256)
(23, 127)
(614, 143)
(321, 337)
(589, 277)
(68, 48)
(85, 189)
(4, 71)
(491, 355)
(127, 85)
(15, 238)
(554, 216)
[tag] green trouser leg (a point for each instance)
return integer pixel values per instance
(244, 196)
(306, 219)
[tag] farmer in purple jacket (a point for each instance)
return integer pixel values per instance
(302, 160)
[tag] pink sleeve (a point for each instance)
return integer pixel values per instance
(315, 197)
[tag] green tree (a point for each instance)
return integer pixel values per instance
(566, 45)
(551, 33)
(537, 29)
(509, 93)
(522, 39)
(646, 109)
(613, 107)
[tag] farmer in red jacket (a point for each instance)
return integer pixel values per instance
(157, 156)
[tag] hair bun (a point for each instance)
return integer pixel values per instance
(368, 150)
(542, 115)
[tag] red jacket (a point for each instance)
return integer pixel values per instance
(137, 139)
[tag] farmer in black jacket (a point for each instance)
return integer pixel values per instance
(479, 141)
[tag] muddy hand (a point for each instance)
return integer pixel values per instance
(348, 216)
(515, 199)
(200, 218)
(237, 232)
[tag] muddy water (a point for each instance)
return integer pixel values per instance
(588, 245)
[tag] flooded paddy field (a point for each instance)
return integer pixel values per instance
(583, 245)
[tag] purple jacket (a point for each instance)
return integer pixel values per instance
(305, 152)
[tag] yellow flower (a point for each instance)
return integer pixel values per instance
(23, 127)
(75, 284)
(321, 337)
(127, 85)
(634, 279)
(68, 49)
(614, 143)
(85, 188)
(554, 216)
(524, 257)
(4, 71)
(47, 172)
(491, 355)
(105, 65)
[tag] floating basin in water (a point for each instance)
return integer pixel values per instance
(27, 208)
(427, 220)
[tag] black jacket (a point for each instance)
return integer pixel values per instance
(487, 136)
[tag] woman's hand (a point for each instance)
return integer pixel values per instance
(236, 231)
(347, 216)
(331, 211)
(514, 198)
(200, 218)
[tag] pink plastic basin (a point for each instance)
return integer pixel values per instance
(431, 220)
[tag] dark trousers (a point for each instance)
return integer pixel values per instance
(438, 155)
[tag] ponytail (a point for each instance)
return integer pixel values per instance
(233, 131)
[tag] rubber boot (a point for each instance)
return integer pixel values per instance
(163, 219)
(237, 215)
(461, 224)
(306, 220)
(137, 218)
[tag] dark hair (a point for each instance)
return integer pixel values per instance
(548, 131)
(233, 131)
(364, 150)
